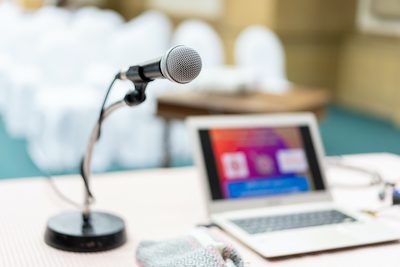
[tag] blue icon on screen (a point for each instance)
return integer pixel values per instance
(268, 187)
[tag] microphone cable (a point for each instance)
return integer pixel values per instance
(100, 119)
(59, 193)
(51, 180)
(387, 190)
(375, 178)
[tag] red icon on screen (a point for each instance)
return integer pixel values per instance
(235, 165)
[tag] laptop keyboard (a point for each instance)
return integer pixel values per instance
(258, 225)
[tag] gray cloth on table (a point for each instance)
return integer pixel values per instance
(195, 249)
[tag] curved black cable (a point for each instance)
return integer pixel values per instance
(100, 119)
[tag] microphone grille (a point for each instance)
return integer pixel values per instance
(181, 64)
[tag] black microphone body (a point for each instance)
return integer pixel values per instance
(143, 73)
(180, 64)
(152, 70)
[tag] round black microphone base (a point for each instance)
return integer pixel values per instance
(68, 231)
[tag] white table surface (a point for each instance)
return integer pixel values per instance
(164, 203)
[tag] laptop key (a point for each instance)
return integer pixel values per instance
(258, 225)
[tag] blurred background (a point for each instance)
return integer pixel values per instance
(58, 57)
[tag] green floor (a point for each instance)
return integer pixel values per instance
(14, 159)
(343, 132)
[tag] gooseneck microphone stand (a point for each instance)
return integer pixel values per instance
(86, 230)
(133, 98)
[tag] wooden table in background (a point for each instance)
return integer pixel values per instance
(179, 106)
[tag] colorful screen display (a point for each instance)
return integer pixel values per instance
(260, 162)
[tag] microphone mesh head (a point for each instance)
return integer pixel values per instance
(181, 64)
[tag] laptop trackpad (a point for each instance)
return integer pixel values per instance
(304, 240)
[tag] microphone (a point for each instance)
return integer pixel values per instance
(180, 64)
(93, 231)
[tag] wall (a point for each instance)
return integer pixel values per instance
(311, 33)
(369, 77)
(310, 30)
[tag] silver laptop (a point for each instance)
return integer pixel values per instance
(265, 184)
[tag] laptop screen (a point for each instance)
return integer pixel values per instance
(260, 162)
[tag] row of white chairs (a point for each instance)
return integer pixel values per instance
(55, 65)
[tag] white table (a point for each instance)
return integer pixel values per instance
(159, 204)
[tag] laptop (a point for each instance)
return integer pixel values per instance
(264, 182)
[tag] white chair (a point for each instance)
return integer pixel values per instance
(11, 21)
(259, 50)
(140, 132)
(140, 138)
(50, 17)
(139, 141)
(8, 8)
(141, 39)
(96, 28)
(62, 58)
(179, 143)
(157, 28)
(99, 76)
(6, 67)
(25, 75)
(64, 121)
(108, 147)
(69, 99)
(43, 57)
(10, 18)
(35, 26)
(204, 39)
(18, 106)
(85, 16)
